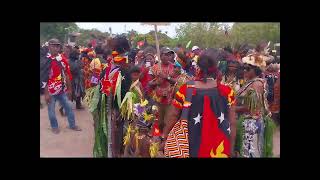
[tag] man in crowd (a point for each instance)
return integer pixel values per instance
(172, 56)
(196, 52)
(162, 83)
(57, 86)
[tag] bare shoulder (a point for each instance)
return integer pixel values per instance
(257, 84)
(209, 84)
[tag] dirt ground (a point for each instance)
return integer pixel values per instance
(70, 143)
(67, 143)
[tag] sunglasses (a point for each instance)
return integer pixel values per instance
(247, 68)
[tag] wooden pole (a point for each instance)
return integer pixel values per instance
(157, 42)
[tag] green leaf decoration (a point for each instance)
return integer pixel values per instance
(239, 136)
(251, 100)
(103, 114)
(118, 89)
(188, 45)
(95, 98)
(268, 136)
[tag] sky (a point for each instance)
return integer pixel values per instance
(123, 27)
(118, 28)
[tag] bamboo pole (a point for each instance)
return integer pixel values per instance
(157, 42)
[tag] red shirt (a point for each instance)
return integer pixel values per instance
(164, 92)
(57, 77)
(145, 78)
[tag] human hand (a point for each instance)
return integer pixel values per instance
(69, 95)
(47, 98)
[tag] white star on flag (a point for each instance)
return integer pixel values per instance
(197, 119)
(229, 129)
(221, 118)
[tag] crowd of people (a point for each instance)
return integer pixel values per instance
(186, 103)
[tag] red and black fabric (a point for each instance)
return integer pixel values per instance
(58, 72)
(108, 81)
(177, 143)
(208, 128)
(209, 133)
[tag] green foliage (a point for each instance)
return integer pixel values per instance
(239, 136)
(61, 30)
(213, 34)
(164, 39)
(201, 34)
(56, 30)
(254, 33)
(87, 35)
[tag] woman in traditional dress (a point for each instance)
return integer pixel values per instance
(206, 127)
(86, 57)
(106, 99)
(95, 68)
(232, 76)
(255, 127)
(133, 96)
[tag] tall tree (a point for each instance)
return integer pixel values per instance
(254, 33)
(87, 35)
(217, 35)
(56, 30)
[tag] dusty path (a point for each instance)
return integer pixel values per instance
(67, 143)
(70, 143)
